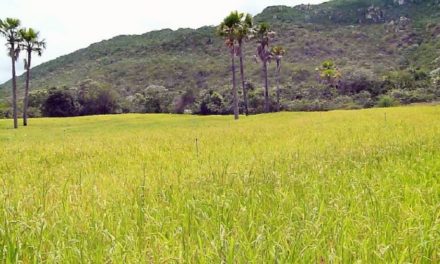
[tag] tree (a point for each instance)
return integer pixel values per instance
(60, 103)
(329, 73)
(264, 36)
(278, 53)
(157, 99)
(30, 44)
(9, 28)
(211, 103)
(228, 29)
(243, 32)
(96, 98)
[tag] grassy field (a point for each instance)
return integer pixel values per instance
(343, 186)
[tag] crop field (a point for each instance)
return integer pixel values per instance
(343, 186)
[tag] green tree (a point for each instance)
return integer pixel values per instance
(60, 103)
(264, 36)
(329, 73)
(278, 53)
(158, 99)
(9, 28)
(243, 32)
(96, 98)
(212, 103)
(31, 43)
(228, 29)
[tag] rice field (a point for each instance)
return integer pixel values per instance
(336, 187)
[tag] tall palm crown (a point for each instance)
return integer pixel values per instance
(278, 52)
(229, 28)
(31, 42)
(264, 35)
(9, 29)
(245, 28)
(329, 73)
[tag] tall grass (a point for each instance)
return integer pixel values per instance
(343, 186)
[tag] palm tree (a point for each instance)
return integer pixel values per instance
(329, 73)
(9, 29)
(227, 29)
(31, 43)
(278, 53)
(264, 36)
(243, 32)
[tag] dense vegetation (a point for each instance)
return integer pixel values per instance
(387, 52)
(334, 187)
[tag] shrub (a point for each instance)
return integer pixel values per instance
(364, 99)
(344, 102)
(412, 96)
(306, 105)
(386, 101)
(158, 99)
(97, 99)
(34, 112)
(60, 103)
(211, 104)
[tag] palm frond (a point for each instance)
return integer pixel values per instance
(248, 21)
(278, 51)
(12, 23)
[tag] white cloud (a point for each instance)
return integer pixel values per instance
(71, 25)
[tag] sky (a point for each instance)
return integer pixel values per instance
(69, 25)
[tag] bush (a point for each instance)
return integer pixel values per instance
(212, 104)
(158, 99)
(306, 105)
(358, 81)
(34, 112)
(137, 103)
(4, 113)
(38, 97)
(60, 103)
(386, 101)
(256, 101)
(364, 99)
(412, 96)
(97, 99)
(344, 102)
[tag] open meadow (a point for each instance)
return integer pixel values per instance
(343, 186)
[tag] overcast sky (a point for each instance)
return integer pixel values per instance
(69, 25)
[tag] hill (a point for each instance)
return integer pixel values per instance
(382, 48)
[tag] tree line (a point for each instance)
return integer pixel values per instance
(307, 89)
(20, 39)
(236, 29)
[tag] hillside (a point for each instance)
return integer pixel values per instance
(380, 46)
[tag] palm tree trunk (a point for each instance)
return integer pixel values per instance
(266, 88)
(26, 91)
(278, 85)
(234, 87)
(243, 83)
(14, 87)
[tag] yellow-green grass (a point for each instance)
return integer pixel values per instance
(343, 186)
